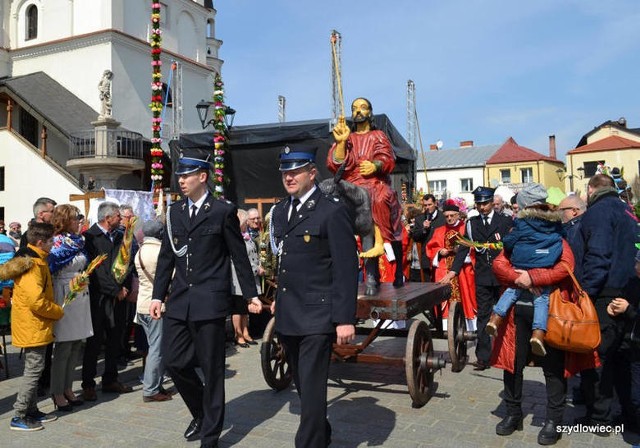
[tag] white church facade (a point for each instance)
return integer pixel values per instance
(53, 54)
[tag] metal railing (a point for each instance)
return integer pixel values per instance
(102, 143)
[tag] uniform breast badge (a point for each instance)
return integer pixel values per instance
(307, 238)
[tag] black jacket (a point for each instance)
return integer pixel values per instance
(500, 225)
(201, 285)
(318, 276)
(101, 281)
(421, 235)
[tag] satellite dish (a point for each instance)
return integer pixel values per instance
(439, 144)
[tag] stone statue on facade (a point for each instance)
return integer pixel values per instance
(104, 87)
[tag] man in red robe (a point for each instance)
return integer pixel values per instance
(367, 159)
(442, 248)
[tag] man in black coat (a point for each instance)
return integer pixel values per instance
(487, 227)
(317, 286)
(107, 306)
(202, 239)
(422, 231)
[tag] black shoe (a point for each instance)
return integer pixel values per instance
(509, 425)
(481, 365)
(548, 434)
(193, 430)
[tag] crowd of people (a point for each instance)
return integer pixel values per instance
(187, 273)
(518, 257)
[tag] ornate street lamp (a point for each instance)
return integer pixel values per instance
(203, 111)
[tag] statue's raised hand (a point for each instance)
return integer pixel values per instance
(341, 131)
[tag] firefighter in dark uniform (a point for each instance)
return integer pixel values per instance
(487, 227)
(317, 286)
(202, 239)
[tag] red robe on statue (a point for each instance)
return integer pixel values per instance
(373, 146)
(463, 287)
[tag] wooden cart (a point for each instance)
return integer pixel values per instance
(390, 304)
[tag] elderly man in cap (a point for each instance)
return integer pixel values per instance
(201, 240)
(317, 286)
(485, 228)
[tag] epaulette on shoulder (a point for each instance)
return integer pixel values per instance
(15, 267)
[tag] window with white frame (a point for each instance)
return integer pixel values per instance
(466, 185)
(526, 175)
(505, 176)
(437, 186)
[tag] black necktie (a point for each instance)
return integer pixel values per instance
(294, 209)
(194, 210)
(486, 220)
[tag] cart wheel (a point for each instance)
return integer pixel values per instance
(275, 369)
(418, 363)
(456, 326)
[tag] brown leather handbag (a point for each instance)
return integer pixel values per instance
(573, 325)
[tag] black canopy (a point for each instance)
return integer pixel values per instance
(252, 158)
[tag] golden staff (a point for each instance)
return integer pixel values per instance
(336, 65)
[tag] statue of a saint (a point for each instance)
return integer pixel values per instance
(104, 87)
(367, 158)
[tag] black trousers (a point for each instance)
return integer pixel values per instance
(486, 297)
(186, 344)
(309, 358)
(552, 366)
(598, 384)
(108, 318)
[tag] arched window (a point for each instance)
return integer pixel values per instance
(210, 29)
(32, 22)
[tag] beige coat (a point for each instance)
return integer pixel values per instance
(148, 253)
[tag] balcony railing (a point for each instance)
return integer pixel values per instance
(102, 143)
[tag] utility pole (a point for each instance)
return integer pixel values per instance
(282, 104)
(412, 133)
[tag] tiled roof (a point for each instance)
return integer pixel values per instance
(510, 152)
(609, 123)
(611, 143)
(52, 101)
(466, 157)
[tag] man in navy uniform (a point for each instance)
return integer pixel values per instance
(202, 238)
(317, 286)
(487, 227)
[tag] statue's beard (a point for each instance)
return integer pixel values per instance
(359, 118)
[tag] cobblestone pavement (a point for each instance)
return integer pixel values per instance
(368, 406)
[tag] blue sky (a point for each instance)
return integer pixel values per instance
(484, 70)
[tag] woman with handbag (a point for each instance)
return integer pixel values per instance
(512, 349)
